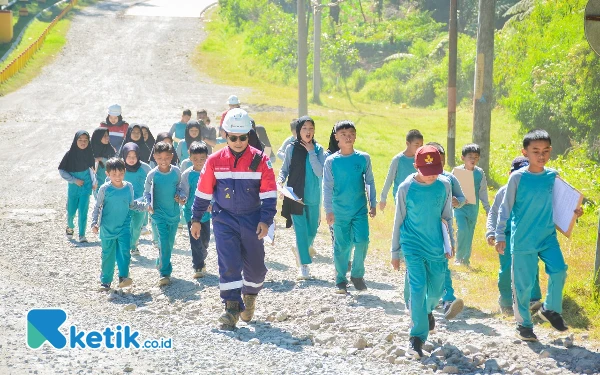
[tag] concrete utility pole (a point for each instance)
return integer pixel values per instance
(317, 54)
(452, 53)
(484, 69)
(302, 56)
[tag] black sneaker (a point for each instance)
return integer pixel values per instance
(453, 308)
(431, 322)
(359, 283)
(525, 334)
(69, 233)
(553, 318)
(414, 349)
(341, 288)
(535, 306)
(104, 287)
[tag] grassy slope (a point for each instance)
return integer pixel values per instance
(381, 131)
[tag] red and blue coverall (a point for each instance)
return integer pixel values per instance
(242, 198)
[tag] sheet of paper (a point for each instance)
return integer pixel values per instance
(565, 200)
(368, 189)
(152, 195)
(288, 192)
(219, 146)
(467, 184)
(267, 151)
(270, 237)
(447, 243)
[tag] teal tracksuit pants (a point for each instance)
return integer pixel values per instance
(466, 219)
(115, 249)
(348, 231)
(426, 283)
(166, 240)
(78, 201)
(448, 289)
(505, 280)
(137, 222)
(524, 276)
(305, 227)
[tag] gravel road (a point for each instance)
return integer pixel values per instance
(126, 52)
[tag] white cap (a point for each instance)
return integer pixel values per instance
(237, 121)
(114, 110)
(233, 100)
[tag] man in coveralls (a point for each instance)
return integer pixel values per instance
(240, 181)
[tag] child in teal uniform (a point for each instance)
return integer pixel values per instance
(103, 151)
(77, 168)
(189, 182)
(401, 166)
(192, 134)
(166, 138)
(424, 204)
(504, 277)
(347, 174)
(452, 305)
(289, 140)
(163, 193)
(527, 205)
(111, 218)
(466, 216)
(135, 135)
(303, 170)
(135, 173)
(177, 131)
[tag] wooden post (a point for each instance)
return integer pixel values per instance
(317, 55)
(484, 69)
(452, 54)
(302, 56)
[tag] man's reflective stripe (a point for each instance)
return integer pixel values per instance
(238, 175)
(255, 285)
(268, 194)
(202, 195)
(231, 285)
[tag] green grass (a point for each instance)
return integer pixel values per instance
(55, 41)
(381, 130)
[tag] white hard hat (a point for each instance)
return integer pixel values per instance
(114, 110)
(237, 121)
(233, 100)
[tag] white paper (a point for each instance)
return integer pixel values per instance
(152, 194)
(270, 237)
(447, 244)
(288, 192)
(368, 189)
(267, 151)
(565, 200)
(467, 184)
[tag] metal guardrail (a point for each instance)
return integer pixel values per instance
(21, 61)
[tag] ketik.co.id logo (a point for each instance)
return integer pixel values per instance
(44, 325)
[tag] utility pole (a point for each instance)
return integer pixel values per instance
(452, 53)
(484, 69)
(302, 56)
(317, 54)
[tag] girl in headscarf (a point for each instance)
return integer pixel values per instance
(163, 137)
(135, 135)
(103, 151)
(77, 168)
(149, 140)
(303, 170)
(135, 173)
(193, 132)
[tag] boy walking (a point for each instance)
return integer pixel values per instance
(527, 204)
(189, 182)
(504, 274)
(162, 192)
(424, 205)
(347, 174)
(289, 140)
(177, 130)
(111, 217)
(466, 216)
(402, 166)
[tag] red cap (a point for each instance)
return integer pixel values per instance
(428, 161)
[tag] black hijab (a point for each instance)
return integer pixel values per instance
(100, 149)
(159, 138)
(297, 174)
(76, 159)
(150, 142)
(333, 143)
(143, 150)
(188, 138)
(128, 147)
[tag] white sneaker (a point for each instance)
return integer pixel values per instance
(304, 272)
(145, 231)
(82, 239)
(165, 280)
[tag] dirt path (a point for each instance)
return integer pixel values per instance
(118, 53)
